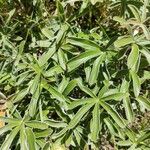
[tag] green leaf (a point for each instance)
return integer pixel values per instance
(124, 143)
(11, 13)
(146, 53)
(146, 31)
(62, 132)
(53, 91)
(22, 77)
(126, 101)
(82, 58)
(12, 121)
(34, 100)
(95, 126)
(35, 84)
(87, 70)
(84, 43)
(71, 85)
(30, 139)
(131, 134)
(2, 96)
(75, 120)
(61, 35)
(36, 124)
(85, 89)
(62, 59)
(6, 128)
(113, 114)
(95, 70)
(55, 124)
(46, 56)
(103, 90)
(43, 133)
(47, 32)
(115, 96)
(133, 56)
(79, 102)
(23, 138)
(62, 86)
(20, 95)
(136, 83)
(110, 126)
(52, 71)
(145, 101)
(8, 141)
(123, 41)
(95, 1)
(128, 109)
(47, 146)
(144, 137)
(135, 12)
(43, 43)
(60, 10)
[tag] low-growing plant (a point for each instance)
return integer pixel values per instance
(75, 74)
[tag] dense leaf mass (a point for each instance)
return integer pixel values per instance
(75, 74)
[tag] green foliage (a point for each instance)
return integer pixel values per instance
(75, 73)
